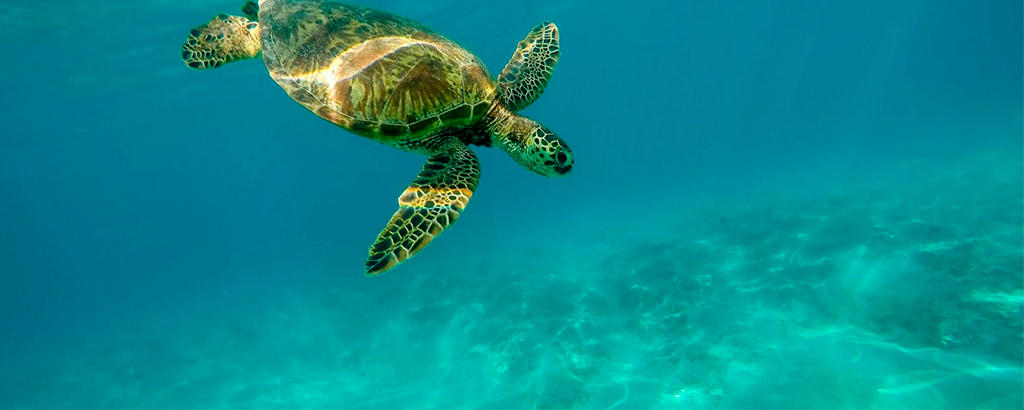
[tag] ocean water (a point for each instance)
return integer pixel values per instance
(776, 205)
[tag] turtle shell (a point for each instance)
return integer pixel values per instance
(374, 73)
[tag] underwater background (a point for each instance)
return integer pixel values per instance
(775, 205)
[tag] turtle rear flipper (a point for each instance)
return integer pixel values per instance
(431, 204)
(527, 73)
(223, 40)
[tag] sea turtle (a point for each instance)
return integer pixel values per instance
(397, 82)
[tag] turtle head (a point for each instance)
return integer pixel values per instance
(545, 153)
(223, 40)
(532, 145)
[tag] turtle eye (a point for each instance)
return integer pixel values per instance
(562, 157)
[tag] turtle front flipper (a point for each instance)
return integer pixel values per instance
(527, 73)
(223, 40)
(430, 205)
(251, 9)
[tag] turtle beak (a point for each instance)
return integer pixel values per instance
(563, 171)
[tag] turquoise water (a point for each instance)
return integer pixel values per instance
(775, 205)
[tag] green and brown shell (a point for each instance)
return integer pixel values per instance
(376, 74)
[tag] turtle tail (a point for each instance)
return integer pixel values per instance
(223, 40)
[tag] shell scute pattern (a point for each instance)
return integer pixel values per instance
(379, 75)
